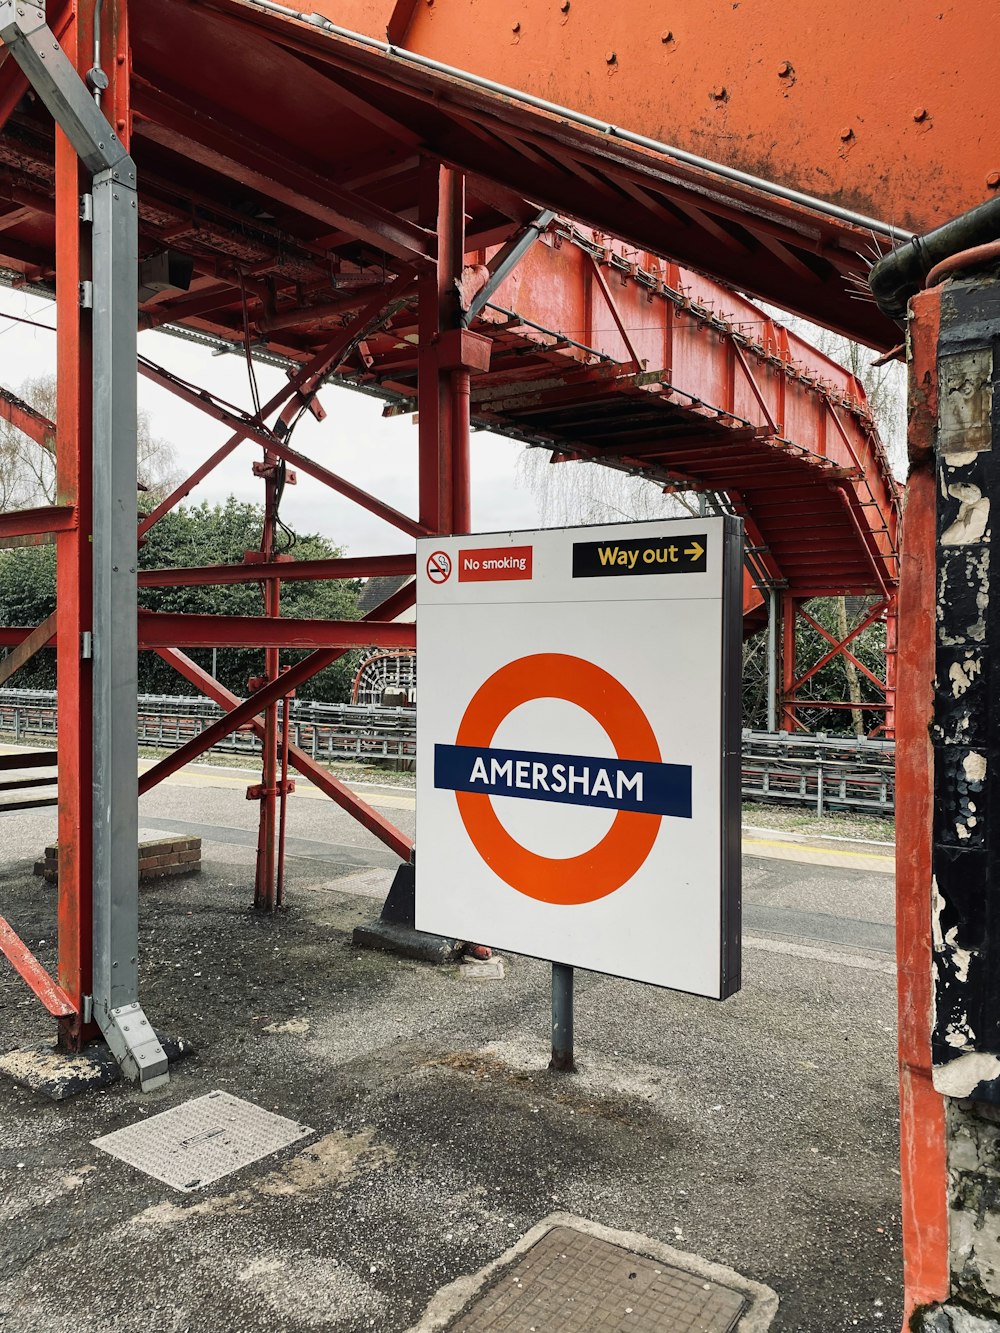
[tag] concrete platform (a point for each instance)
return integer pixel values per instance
(758, 1135)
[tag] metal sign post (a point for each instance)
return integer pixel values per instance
(578, 751)
(562, 1061)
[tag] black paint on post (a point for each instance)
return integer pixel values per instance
(965, 906)
(562, 1019)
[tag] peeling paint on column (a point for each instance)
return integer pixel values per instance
(972, 519)
(965, 889)
(965, 402)
(966, 733)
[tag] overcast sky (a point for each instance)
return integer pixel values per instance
(355, 440)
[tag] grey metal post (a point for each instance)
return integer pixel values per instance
(112, 295)
(562, 1019)
(773, 615)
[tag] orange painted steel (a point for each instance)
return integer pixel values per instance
(51, 994)
(923, 1149)
(887, 111)
(698, 386)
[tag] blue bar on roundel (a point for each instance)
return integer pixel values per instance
(573, 779)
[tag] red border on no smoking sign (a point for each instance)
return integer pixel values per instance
(439, 567)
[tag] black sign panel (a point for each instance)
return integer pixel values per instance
(660, 555)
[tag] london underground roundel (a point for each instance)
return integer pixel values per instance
(480, 772)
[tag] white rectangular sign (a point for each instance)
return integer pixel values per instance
(578, 747)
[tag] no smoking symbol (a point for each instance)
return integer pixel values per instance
(438, 567)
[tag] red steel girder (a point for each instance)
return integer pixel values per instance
(33, 522)
(51, 994)
(241, 715)
(291, 571)
(164, 629)
(26, 649)
(207, 138)
(26, 418)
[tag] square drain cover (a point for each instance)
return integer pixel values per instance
(202, 1140)
(569, 1282)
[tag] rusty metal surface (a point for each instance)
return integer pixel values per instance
(334, 148)
(569, 1282)
(889, 112)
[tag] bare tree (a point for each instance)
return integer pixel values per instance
(27, 469)
(576, 492)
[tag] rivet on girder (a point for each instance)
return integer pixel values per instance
(666, 38)
(784, 69)
(611, 58)
(919, 114)
(993, 180)
(847, 133)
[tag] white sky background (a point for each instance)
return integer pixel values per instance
(378, 454)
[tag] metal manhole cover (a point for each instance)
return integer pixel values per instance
(202, 1140)
(569, 1282)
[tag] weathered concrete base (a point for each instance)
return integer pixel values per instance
(953, 1319)
(395, 931)
(407, 942)
(60, 1074)
(974, 1205)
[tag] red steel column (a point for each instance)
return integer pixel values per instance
(891, 651)
(461, 463)
(264, 897)
(443, 411)
(433, 430)
(789, 615)
(74, 485)
(73, 577)
(451, 259)
(923, 1145)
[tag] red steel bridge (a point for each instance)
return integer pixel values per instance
(387, 225)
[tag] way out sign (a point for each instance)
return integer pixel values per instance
(578, 747)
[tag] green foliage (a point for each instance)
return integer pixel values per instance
(198, 535)
(27, 596)
(831, 682)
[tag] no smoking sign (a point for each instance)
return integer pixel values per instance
(578, 749)
(438, 567)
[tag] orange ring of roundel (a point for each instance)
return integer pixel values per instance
(623, 849)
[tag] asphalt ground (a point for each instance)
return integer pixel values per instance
(759, 1134)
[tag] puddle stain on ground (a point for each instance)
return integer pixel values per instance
(330, 1161)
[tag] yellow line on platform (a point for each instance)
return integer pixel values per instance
(772, 849)
(191, 777)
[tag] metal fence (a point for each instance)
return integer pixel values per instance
(824, 772)
(324, 731)
(820, 772)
